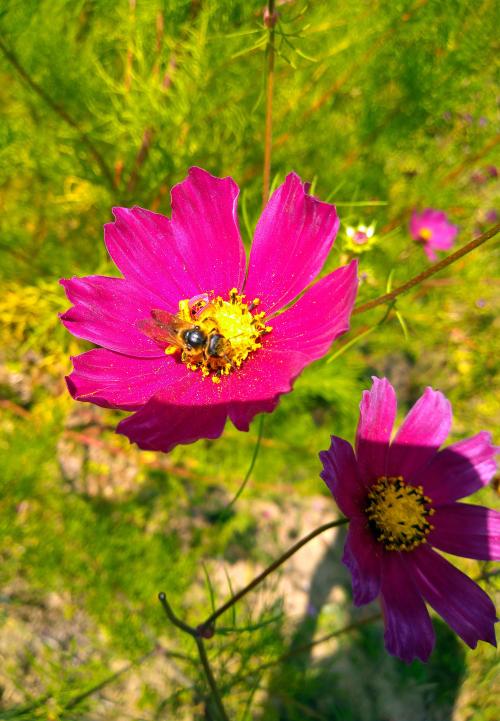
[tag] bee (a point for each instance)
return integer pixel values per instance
(196, 344)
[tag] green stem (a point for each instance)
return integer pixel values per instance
(250, 467)
(206, 629)
(387, 297)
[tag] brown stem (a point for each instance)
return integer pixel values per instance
(270, 20)
(387, 297)
(63, 114)
(206, 628)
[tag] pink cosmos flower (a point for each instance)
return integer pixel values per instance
(401, 499)
(189, 335)
(432, 229)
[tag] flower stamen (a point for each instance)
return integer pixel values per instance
(425, 234)
(233, 331)
(398, 513)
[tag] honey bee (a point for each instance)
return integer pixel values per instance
(168, 329)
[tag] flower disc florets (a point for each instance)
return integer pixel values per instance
(398, 513)
(424, 235)
(232, 331)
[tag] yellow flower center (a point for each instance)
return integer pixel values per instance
(231, 329)
(398, 513)
(425, 234)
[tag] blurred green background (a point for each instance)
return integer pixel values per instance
(385, 107)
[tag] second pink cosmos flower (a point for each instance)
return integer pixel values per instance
(401, 495)
(193, 266)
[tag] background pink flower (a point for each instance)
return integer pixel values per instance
(199, 251)
(401, 499)
(432, 229)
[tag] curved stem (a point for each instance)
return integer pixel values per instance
(387, 297)
(270, 20)
(202, 653)
(250, 467)
(206, 628)
(173, 618)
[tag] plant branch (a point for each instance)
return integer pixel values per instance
(194, 632)
(210, 677)
(387, 297)
(206, 629)
(173, 618)
(270, 18)
(60, 111)
(255, 454)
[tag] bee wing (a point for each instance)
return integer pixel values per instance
(163, 327)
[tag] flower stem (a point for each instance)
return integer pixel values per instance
(206, 628)
(202, 653)
(210, 678)
(249, 470)
(387, 297)
(270, 21)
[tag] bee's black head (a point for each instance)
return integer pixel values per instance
(195, 338)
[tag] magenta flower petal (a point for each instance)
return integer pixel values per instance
(159, 426)
(467, 530)
(432, 229)
(205, 226)
(116, 381)
(445, 239)
(408, 627)
(363, 557)
(266, 374)
(322, 314)
(242, 414)
(143, 247)
(376, 419)
(199, 250)
(424, 429)
(341, 475)
(106, 312)
(292, 239)
(460, 469)
(458, 600)
(430, 253)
